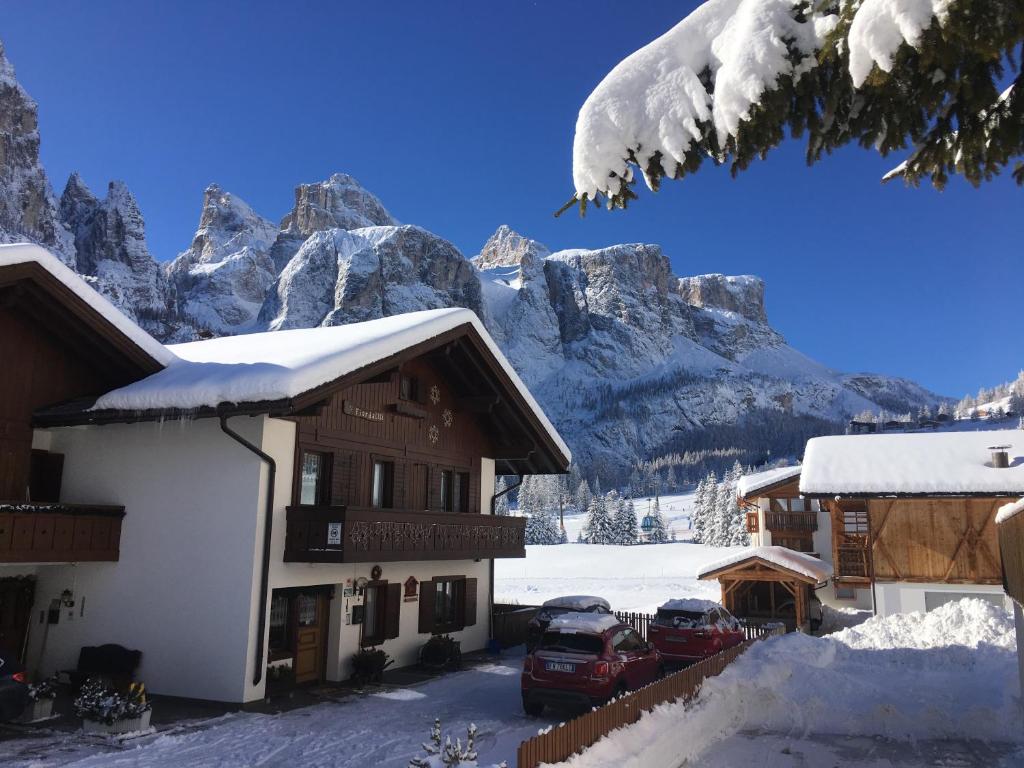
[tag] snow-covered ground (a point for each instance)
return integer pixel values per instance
(383, 730)
(637, 578)
(898, 691)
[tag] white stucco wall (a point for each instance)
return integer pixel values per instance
(181, 592)
(907, 597)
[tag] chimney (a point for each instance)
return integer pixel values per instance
(1000, 457)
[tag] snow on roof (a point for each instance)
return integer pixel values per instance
(583, 622)
(578, 602)
(689, 604)
(755, 482)
(278, 365)
(25, 253)
(913, 463)
(1007, 511)
(790, 559)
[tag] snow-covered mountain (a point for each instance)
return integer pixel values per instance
(631, 361)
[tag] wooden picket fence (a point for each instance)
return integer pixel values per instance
(568, 739)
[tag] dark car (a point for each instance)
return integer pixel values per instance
(559, 606)
(13, 688)
(689, 630)
(585, 659)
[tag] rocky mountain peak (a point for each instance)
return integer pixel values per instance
(507, 248)
(742, 294)
(226, 225)
(340, 202)
(28, 208)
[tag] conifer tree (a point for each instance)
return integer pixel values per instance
(658, 533)
(626, 530)
(583, 496)
(501, 502)
(598, 528)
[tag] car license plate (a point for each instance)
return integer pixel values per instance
(558, 666)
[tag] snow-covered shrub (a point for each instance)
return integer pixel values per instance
(368, 665)
(100, 703)
(446, 755)
(44, 689)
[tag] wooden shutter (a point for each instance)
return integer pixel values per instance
(392, 606)
(469, 607)
(426, 607)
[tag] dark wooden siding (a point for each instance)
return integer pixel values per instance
(39, 368)
(368, 421)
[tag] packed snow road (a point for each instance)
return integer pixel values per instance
(384, 730)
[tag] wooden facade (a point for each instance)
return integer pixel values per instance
(54, 348)
(1011, 548)
(430, 433)
(939, 540)
(789, 518)
(59, 533)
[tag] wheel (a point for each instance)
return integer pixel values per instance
(532, 708)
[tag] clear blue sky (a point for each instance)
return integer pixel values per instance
(460, 117)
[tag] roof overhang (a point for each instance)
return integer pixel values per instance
(523, 444)
(741, 569)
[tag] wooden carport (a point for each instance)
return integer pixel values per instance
(767, 571)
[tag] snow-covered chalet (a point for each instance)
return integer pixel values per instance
(251, 507)
(907, 520)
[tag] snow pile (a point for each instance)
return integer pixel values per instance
(1009, 510)
(23, 253)
(656, 102)
(755, 482)
(582, 622)
(941, 462)
(880, 27)
(578, 602)
(791, 560)
(957, 679)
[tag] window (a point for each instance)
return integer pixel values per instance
(461, 500)
(626, 641)
(45, 475)
(313, 479)
(381, 605)
(278, 643)
(371, 616)
(383, 485)
(447, 491)
(572, 642)
(409, 388)
(845, 593)
(448, 600)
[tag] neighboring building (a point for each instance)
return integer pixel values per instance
(274, 499)
(912, 515)
(1010, 524)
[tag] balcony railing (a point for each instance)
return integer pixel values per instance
(59, 533)
(791, 521)
(851, 561)
(360, 535)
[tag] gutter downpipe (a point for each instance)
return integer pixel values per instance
(490, 567)
(257, 676)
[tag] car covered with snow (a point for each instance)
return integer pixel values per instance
(689, 630)
(585, 659)
(558, 606)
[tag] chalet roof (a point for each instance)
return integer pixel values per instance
(761, 480)
(777, 558)
(29, 261)
(913, 464)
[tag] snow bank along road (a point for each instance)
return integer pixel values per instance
(908, 683)
(382, 730)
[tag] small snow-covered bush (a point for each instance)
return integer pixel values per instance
(44, 689)
(446, 755)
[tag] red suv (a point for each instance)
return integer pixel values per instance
(689, 630)
(585, 659)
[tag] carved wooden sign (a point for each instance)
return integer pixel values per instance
(351, 409)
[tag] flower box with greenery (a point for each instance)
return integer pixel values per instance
(441, 653)
(106, 711)
(368, 666)
(40, 699)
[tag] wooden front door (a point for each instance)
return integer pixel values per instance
(309, 610)
(16, 596)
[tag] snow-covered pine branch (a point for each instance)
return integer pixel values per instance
(727, 81)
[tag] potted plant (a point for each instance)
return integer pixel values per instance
(106, 711)
(368, 666)
(40, 699)
(441, 653)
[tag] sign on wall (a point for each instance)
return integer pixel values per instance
(351, 409)
(334, 534)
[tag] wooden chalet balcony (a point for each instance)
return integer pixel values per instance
(851, 562)
(59, 533)
(361, 535)
(791, 521)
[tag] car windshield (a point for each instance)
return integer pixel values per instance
(571, 642)
(680, 619)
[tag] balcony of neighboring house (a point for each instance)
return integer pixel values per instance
(778, 522)
(40, 532)
(360, 535)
